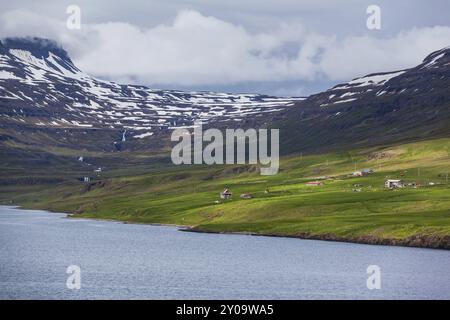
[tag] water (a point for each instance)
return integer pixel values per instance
(130, 261)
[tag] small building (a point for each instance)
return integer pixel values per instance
(81, 159)
(314, 183)
(393, 184)
(226, 194)
(246, 196)
(362, 173)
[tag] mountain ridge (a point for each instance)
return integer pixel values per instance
(47, 101)
(376, 109)
(38, 70)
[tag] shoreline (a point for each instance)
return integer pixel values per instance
(76, 216)
(179, 226)
(417, 241)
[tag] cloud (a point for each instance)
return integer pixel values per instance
(194, 50)
(354, 56)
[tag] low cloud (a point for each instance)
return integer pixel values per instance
(353, 56)
(194, 50)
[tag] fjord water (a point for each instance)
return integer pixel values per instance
(131, 261)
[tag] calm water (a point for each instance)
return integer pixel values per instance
(127, 261)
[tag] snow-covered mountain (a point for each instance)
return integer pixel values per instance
(388, 83)
(41, 86)
(45, 100)
(377, 109)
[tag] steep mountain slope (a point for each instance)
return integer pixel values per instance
(46, 101)
(43, 91)
(382, 108)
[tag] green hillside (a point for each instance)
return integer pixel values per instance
(344, 208)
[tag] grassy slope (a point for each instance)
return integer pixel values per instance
(187, 195)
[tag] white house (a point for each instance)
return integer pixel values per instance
(392, 184)
(226, 194)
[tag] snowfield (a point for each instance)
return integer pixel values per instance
(77, 99)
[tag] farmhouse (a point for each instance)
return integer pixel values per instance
(393, 184)
(226, 194)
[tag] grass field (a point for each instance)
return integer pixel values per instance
(345, 208)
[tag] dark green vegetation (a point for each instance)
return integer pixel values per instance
(345, 208)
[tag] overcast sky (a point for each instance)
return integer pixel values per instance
(279, 47)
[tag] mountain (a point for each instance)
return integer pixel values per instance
(377, 109)
(43, 93)
(46, 101)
